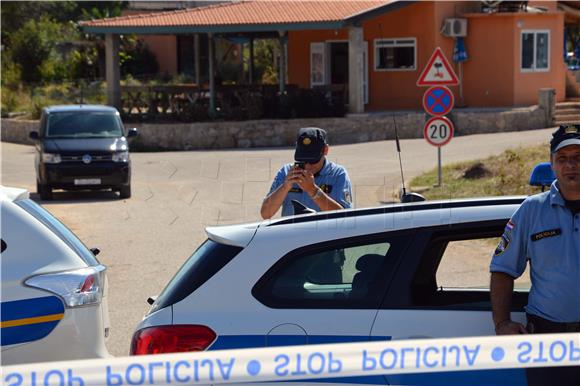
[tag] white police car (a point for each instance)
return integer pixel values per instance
(394, 272)
(53, 288)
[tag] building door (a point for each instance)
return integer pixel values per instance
(329, 65)
(338, 65)
(338, 62)
(186, 56)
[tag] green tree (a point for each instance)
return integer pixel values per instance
(36, 33)
(15, 14)
(33, 45)
(265, 52)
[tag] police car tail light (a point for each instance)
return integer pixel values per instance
(171, 339)
(80, 287)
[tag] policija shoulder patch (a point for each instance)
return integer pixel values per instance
(504, 243)
(548, 233)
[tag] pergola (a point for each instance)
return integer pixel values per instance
(248, 19)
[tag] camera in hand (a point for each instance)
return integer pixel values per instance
(299, 164)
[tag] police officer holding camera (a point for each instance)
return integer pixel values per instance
(545, 231)
(313, 180)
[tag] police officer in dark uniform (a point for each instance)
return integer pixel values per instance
(545, 232)
(313, 180)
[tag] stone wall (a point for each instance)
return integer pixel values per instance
(270, 133)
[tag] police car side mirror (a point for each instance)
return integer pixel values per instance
(133, 132)
(412, 197)
(95, 251)
(300, 208)
(34, 135)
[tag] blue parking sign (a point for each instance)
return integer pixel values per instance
(438, 101)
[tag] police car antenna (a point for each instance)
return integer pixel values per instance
(405, 197)
(399, 151)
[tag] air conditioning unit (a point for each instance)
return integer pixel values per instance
(454, 28)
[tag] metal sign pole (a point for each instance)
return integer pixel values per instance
(439, 167)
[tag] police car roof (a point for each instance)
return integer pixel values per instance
(406, 207)
(13, 194)
(67, 108)
(471, 209)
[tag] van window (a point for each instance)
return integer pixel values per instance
(75, 124)
(52, 223)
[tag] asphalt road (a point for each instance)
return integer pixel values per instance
(145, 239)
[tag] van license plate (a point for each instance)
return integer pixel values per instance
(87, 181)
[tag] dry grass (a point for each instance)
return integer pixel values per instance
(506, 174)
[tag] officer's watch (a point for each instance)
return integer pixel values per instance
(317, 194)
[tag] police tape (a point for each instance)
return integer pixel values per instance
(306, 362)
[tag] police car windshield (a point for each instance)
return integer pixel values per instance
(59, 229)
(83, 124)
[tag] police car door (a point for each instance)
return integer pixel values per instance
(441, 289)
(329, 292)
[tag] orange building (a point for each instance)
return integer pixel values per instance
(493, 75)
(379, 48)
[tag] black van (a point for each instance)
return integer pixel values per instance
(82, 147)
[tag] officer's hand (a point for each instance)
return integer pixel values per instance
(306, 182)
(508, 327)
(294, 176)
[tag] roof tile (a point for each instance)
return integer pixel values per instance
(246, 12)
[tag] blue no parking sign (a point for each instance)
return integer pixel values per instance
(438, 101)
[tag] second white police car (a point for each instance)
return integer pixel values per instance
(402, 271)
(53, 288)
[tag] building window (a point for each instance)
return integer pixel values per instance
(395, 54)
(535, 51)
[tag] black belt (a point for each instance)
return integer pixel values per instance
(540, 325)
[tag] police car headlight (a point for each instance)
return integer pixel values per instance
(51, 158)
(121, 156)
(81, 287)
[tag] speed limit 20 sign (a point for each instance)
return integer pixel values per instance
(438, 131)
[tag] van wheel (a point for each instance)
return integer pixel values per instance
(44, 191)
(125, 191)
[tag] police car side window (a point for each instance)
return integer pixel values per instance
(465, 264)
(454, 270)
(349, 276)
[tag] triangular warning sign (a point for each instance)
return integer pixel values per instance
(438, 71)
